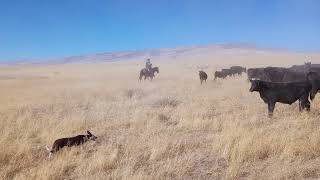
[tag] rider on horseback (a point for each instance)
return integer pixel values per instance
(148, 71)
(148, 65)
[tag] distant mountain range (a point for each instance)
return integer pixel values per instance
(161, 53)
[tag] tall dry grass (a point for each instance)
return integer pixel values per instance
(172, 128)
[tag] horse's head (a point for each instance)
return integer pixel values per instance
(156, 69)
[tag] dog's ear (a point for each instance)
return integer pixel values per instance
(89, 133)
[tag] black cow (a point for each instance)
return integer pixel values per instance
(220, 74)
(276, 74)
(307, 67)
(227, 72)
(203, 76)
(286, 93)
(237, 70)
(301, 68)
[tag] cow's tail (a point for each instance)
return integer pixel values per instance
(311, 95)
(311, 78)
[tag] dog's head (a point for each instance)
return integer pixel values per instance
(91, 136)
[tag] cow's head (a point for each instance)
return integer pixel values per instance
(256, 85)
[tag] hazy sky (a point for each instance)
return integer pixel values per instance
(55, 28)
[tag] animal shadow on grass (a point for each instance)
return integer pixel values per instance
(166, 120)
(166, 102)
(134, 93)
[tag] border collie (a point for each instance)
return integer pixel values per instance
(70, 141)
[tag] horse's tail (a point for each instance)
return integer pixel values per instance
(141, 74)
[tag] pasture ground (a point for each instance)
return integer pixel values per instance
(172, 128)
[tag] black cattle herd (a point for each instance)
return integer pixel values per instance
(278, 84)
(234, 70)
(275, 84)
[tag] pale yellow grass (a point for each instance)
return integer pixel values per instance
(172, 128)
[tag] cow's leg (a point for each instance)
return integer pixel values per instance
(300, 105)
(307, 105)
(271, 106)
(200, 81)
(304, 103)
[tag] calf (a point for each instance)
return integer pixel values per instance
(70, 141)
(203, 76)
(286, 93)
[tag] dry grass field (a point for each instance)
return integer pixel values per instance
(171, 128)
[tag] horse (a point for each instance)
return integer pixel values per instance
(148, 73)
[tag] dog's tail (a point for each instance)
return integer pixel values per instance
(50, 151)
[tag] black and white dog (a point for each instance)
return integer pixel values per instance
(70, 141)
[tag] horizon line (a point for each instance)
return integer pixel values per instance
(238, 45)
